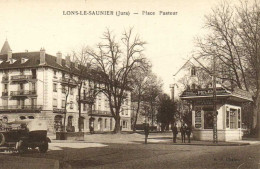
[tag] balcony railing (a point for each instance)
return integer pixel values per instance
(18, 78)
(5, 79)
(100, 112)
(60, 111)
(23, 93)
(5, 93)
(68, 81)
(86, 99)
(20, 108)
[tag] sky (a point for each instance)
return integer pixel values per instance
(33, 24)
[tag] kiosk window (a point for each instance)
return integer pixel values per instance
(208, 120)
(233, 119)
(227, 119)
(239, 118)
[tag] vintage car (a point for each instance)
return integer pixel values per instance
(24, 134)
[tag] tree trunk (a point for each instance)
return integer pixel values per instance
(257, 110)
(117, 128)
(136, 116)
(79, 105)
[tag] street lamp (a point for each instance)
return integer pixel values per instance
(215, 131)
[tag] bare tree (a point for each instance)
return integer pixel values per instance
(234, 41)
(115, 59)
(82, 65)
(139, 84)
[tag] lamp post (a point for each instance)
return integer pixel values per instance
(215, 131)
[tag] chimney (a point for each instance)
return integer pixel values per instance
(67, 59)
(9, 55)
(59, 57)
(42, 56)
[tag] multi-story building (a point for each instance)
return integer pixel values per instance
(34, 86)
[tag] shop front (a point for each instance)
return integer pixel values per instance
(229, 114)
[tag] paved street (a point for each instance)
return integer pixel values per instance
(128, 151)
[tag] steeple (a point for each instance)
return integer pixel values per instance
(5, 48)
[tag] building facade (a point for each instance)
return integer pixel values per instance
(35, 85)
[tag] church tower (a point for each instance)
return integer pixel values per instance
(6, 48)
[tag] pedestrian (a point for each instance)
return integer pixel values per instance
(146, 132)
(183, 132)
(188, 132)
(91, 128)
(174, 132)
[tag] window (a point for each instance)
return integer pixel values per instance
(208, 120)
(55, 74)
(227, 119)
(63, 89)
(122, 112)
(105, 123)
(71, 105)
(126, 112)
(233, 119)
(71, 91)
(84, 107)
(55, 103)
(63, 104)
(54, 87)
(193, 71)
(21, 71)
(33, 87)
(5, 89)
(70, 121)
(34, 73)
(124, 124)
(239, 118)
(193, 86)
(33, 102)
(22, 60)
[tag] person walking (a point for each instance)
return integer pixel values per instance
(146, 132)
(188, 132)
(183, 132)
(174, 133)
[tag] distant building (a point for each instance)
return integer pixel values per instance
(34, 84)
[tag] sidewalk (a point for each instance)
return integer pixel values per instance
(154, 138)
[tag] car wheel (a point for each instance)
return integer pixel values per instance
(21, 147)
(2, 139)
(43, 148)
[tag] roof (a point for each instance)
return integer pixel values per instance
(5, 48)
(193, 61)
(34, 62)
(237, 94)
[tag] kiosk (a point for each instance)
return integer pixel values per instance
(229, 116)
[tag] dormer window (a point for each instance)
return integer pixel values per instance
(193, 71)
(12, 61)
(23, 60)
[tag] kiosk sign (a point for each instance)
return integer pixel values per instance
(198, 119)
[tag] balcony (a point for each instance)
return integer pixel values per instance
(5, 79)
(59, 111)
(23, 93)
(86, 99)
(68, 81)
(21, 78)
(5, 93)
(21, 109)
(99, 113)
